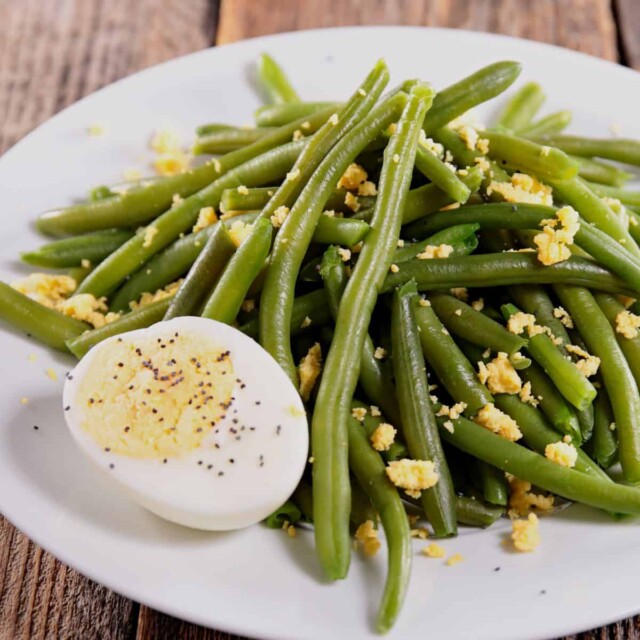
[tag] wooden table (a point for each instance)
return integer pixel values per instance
(53, 52)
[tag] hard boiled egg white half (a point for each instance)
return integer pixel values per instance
(193, 419)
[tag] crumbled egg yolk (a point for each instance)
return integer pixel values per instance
(478, 304)
(562, 453)
(240, 231)
(309, 370)
(379, 353)
(345, 254)
(155, 398)
(414, 476)
(627, 324)
(206, 218)
(525, 533)
(48, 290)
(367, 188)
(553, 243)
(430, 145)
(456, 558)
(367, 536)
(491, 418)
(522, 188)
(150, 233)
(165, 141)
(149, 298)
(453, 412)
(419, 532)
(432, 251)
(563, 315)
(353, 177)
(352, 202)
(588, 365)
(87, 308)
(469, 136)
(460, 292)
(279, 216)
(383, 437)
(375, 411)
(522, 500)
(527, 396)
(359, 413)
(434, 550)
(499, 375)
(170, 164)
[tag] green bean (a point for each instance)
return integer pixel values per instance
(369, 469)
(378, 386)
(79, 273)
(530, 157)
(449, 363)
(339, 379)
(276, 115)
(344, 231)
(604, 446)
(101, 192)
(569, 380)
(622, 150)
(552, 403)
(430, 198)
(205, 271)
(361, 507)
(170, 264)
(295, 235)
(222, 142)
(553, 123)
(310, 305)
(484, 84)
(140, 318)
(618, 379)
(287, 513)
(522, 107)
(475, 513)
(133, 254)
(550, 476)
(465, 322)
(433, 168)
(589, 237)
(229, 291)
(462, 238)
(624, 195)
(46, 325)
(537, 432)
(601, 172)
(611, 307)
(249, 200)
(303, 499)
(274, 82)
(493, 483)
(398, 449)
(213, 127)
(501, 269)
(70, 252)
(419, 426)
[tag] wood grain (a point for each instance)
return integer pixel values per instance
(584, 25)
(627, 13)
(53, 52)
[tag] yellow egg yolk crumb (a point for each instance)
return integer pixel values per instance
(414, 476)
(309, 370)
(563, 315)
(561, 453)
(353, 177)
(522, 500)
(456, 558)
(359, 413)
(151, 397)
(526, 533)
(367, 535)
(439, 251)
(352, 201)
(383, 437)
(499, 375)
(87, 308)
(46, 289)
(627, 324)
(557, 234)
(434, 550)
(240, 231)
(206, 218)
(526, 395)
(150, 233)
(491, 418)
(279, 216)
(149, 298)
(587, 364)
(522, 188)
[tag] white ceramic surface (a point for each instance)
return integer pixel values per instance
(258, 582)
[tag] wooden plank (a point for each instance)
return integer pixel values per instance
(153, 625)
(51, 54)
(628, 21)
(585, 25)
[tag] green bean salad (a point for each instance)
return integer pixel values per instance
(456, 303)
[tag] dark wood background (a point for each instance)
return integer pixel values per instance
(53, 52)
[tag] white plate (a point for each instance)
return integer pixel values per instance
(259, 582)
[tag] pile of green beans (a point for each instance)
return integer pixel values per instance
(423, 282)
